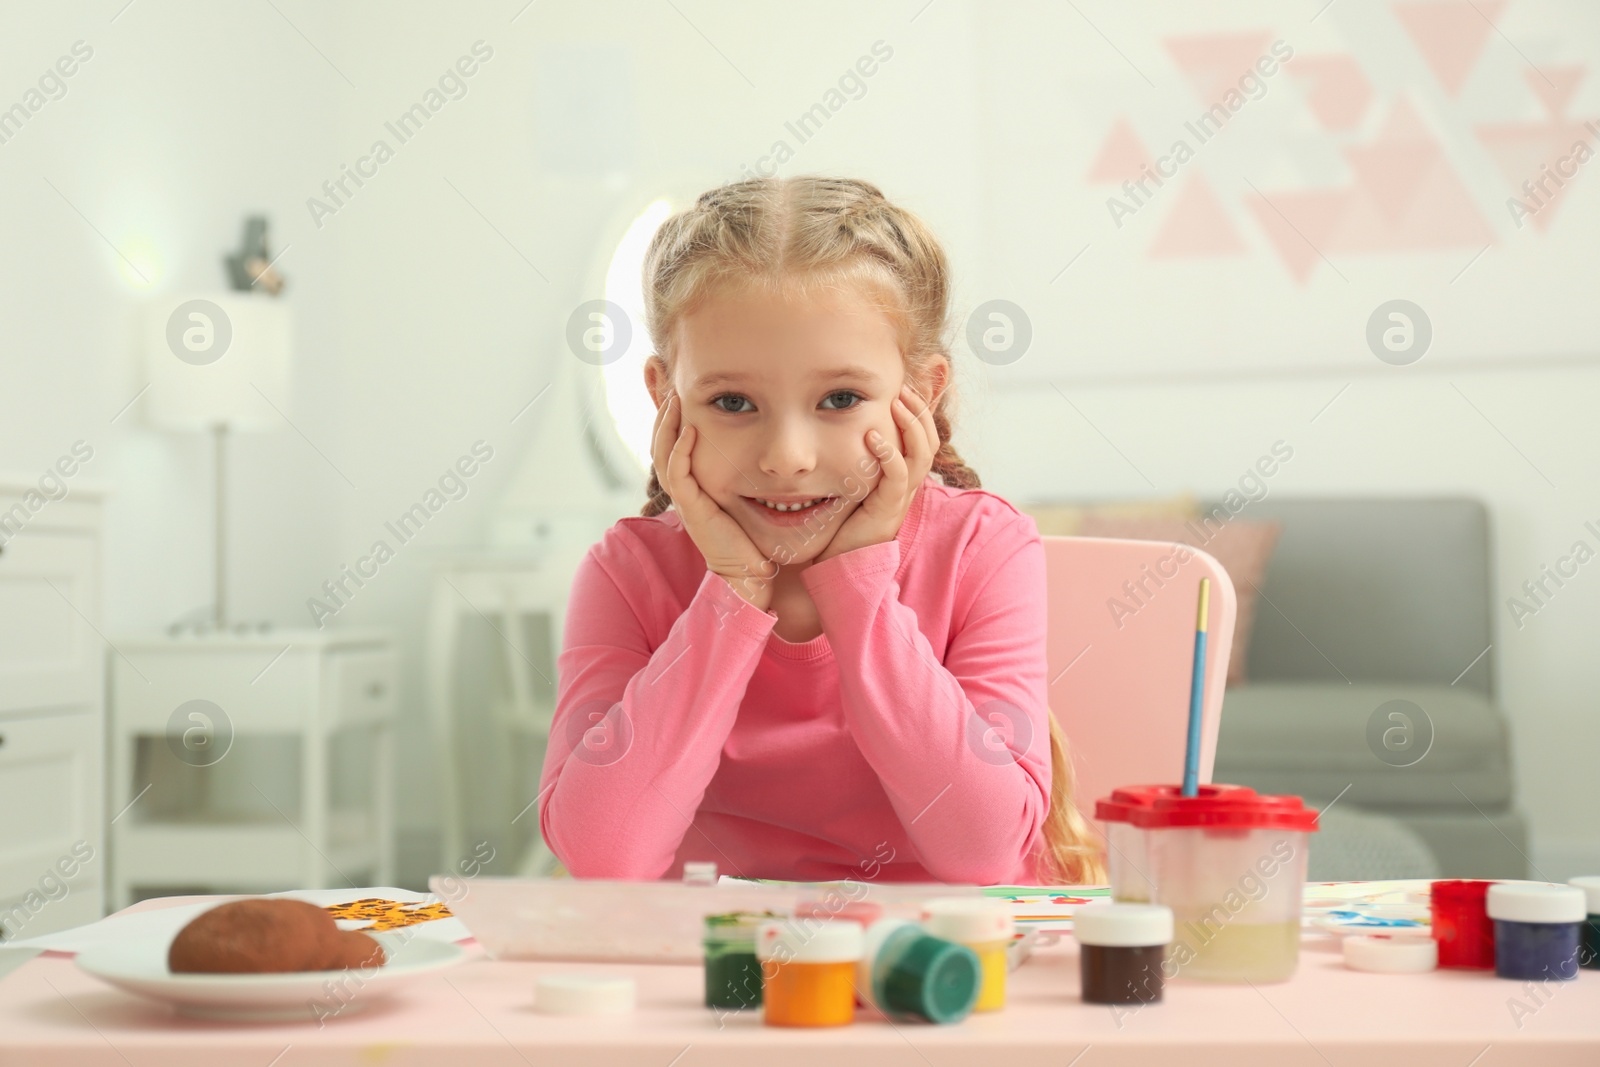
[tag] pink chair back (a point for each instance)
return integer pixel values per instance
(1119, 678)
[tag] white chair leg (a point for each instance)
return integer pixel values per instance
(383, 800)
(442, 634)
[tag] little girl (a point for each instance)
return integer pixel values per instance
(822, 663)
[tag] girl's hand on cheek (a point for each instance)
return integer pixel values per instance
(880, 515)
(727, 549)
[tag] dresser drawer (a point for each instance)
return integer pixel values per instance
(51, 790)
(361, 687)
(50, 656)
(247, 688)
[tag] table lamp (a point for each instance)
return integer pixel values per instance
(217, 362)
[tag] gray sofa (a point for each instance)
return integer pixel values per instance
(1368, 681)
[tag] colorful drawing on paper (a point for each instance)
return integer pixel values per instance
(380, 914)
(1393, 906)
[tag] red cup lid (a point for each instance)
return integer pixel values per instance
(1118, 807)
(1238, 808)
(1123, 802)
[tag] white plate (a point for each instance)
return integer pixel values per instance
(140, 966)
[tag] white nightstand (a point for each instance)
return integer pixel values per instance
(198, 695)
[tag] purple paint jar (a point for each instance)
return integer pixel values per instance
(1537, 927)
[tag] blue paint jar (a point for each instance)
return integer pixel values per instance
(1589, 956)
(1537, 929)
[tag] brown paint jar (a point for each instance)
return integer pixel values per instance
(1121, 948)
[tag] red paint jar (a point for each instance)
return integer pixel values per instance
(1461, 923)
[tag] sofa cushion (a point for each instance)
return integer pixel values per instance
(1376, 589)
(1066, 519)
(1396, 745)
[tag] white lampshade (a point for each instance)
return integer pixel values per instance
(217, 358)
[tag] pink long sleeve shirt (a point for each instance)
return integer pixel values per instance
(906, 742)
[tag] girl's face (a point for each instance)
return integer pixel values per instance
(783, 389)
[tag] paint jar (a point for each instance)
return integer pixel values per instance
(907, 974)
(1461, 923)
(837, 906)
(1590, 954)
(733, 974)
(1127, 855)
(1536, 929)
(1390, 954)
(1232, 867)
(986, 927)
(584, 994)
(808, 971)
(1121, 949)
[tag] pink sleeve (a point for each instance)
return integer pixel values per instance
(961, 747)
(638, 733)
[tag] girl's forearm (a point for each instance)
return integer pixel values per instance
(637, 735)
(961, 747)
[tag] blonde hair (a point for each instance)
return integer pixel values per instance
(840, 232)
(1069, 854)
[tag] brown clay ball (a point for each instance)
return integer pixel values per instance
(262, 936)
(354, 950)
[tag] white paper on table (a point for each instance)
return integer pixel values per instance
(166, 922)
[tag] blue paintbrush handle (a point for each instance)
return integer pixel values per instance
(1197, 685)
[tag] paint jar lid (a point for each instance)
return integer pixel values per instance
(1590, 884)
(809, 941)
(585, 994)
(737, 926)
(909, 973)
(1459, 891)
(699, 872)
(968, 920)
(1123, 925)
(1386, 954)
(1537, 902)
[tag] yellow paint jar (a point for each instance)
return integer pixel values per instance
(986, 927)
(808, 970)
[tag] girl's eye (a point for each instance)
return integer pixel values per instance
(717, 400)
(845, 393)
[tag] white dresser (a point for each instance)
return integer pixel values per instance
(52, 709)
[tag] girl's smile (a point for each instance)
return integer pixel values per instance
(794, 514)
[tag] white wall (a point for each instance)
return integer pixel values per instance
(423, 323)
